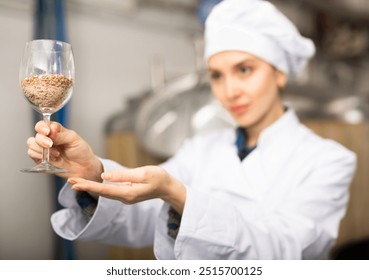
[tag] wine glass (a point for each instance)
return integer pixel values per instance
(46, 78)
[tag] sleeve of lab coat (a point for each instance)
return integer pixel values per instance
(303, 226)
(113, 222)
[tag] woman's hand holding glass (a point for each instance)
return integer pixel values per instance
(71, 152)
(67, 150)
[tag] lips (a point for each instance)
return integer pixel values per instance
(238, 109)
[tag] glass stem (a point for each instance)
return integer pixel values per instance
(46, 151)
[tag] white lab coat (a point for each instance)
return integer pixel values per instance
(285, 200)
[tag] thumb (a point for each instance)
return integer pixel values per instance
(60, 135)
(55, 128)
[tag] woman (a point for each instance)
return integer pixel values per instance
(269, 190)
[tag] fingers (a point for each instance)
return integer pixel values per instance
(86, 185)
(58, 134)
(35, 149)
(136, 175)
(42, 128)
(45, 133)
(51, 130)
(128, 175)
(43, 141)
(115, 191)
(32, 145)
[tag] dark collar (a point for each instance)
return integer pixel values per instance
(241, 139)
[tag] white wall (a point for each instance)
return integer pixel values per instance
(112, 62)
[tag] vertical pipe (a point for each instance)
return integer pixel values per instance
(49, 23)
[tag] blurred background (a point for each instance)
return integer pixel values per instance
(141, 89)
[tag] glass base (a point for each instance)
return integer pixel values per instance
(45, 167)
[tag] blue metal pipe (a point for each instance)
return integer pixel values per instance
(49, 23)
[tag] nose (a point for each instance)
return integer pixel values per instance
(232, 89)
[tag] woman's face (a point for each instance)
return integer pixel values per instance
(247, 87)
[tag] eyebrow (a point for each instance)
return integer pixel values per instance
(238, 64)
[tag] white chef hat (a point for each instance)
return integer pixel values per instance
(259, 28)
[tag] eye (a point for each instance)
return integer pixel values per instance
(215, 75)
(244, 69)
